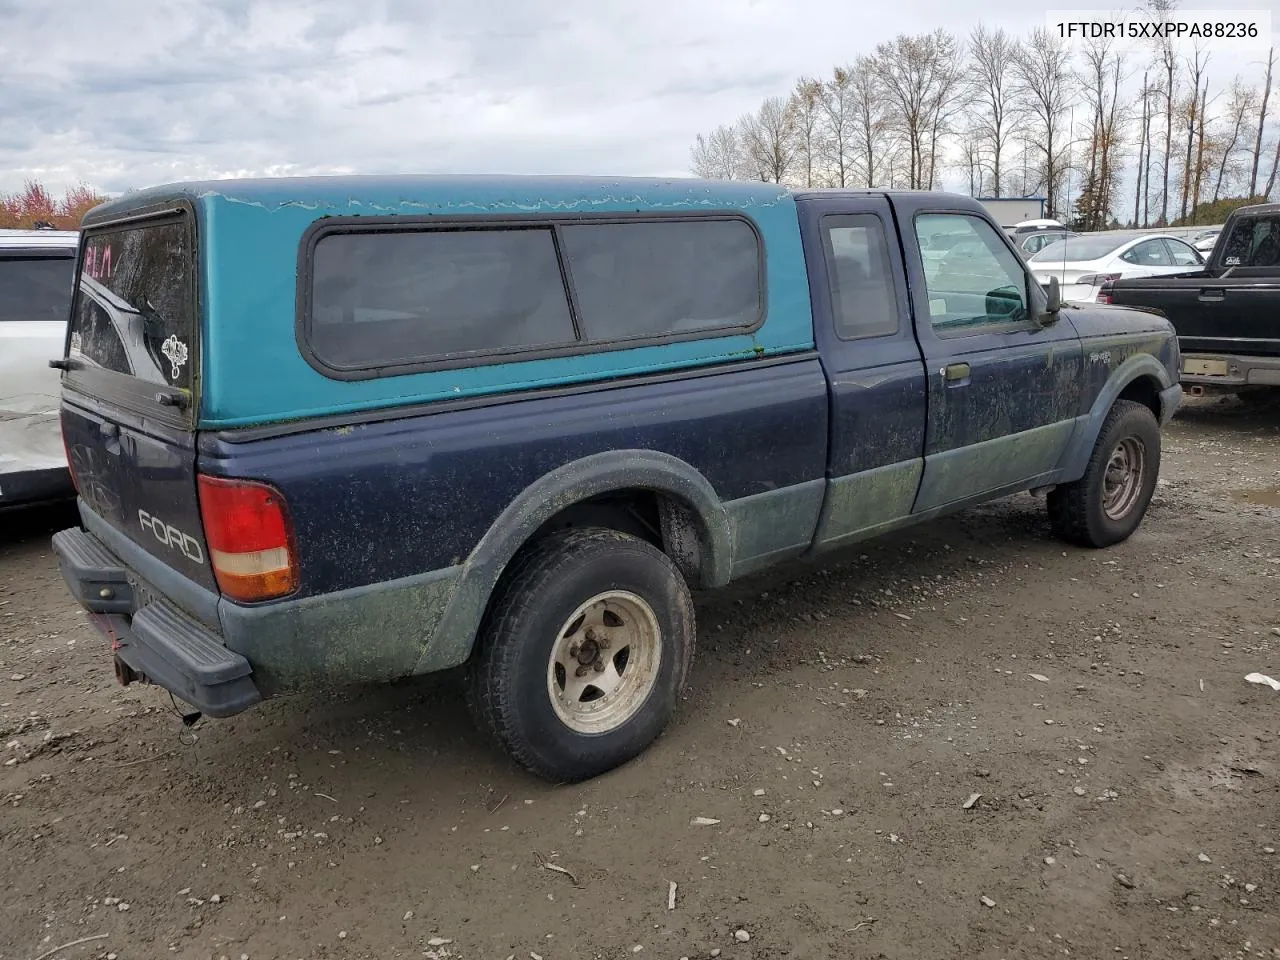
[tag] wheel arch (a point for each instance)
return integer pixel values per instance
(1141, 378)
(695, 533)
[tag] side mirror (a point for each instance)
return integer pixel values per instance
(1054, 297)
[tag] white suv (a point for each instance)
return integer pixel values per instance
(37, 280)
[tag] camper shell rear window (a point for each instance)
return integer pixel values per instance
(134, 321)
(396, 296)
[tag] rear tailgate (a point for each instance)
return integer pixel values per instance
(128, 411)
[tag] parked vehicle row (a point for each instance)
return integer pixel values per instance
(37, 279)
(1226, 312)
(510, 423)
(1082, 264)
(1205, 241)
(1032, 236)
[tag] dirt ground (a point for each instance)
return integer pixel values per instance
(1121, 776)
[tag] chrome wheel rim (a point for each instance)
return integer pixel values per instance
(1122, 480)
(604, 662)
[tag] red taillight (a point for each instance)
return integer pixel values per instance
(1104, 295)
(250, 538)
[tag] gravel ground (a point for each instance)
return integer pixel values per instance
(965, 740)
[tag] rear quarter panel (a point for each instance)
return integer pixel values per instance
(373, 502)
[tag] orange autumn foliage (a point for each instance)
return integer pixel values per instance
(34, 204)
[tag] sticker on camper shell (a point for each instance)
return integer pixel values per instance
(176, 352)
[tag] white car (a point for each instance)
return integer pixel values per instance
(1083, 264)
(1205, 244)
(37, 278)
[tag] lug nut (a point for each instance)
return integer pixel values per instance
(591, 634)
(573, 650)
(582, 671)
(599, 665)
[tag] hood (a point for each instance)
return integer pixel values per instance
(1124, 308)
(1099, 319)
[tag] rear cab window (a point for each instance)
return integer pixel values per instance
(1253, 243)
(36, 285)
(382, 299)
(134, 323)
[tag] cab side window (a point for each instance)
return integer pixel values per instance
(863, 296)
(977, 283)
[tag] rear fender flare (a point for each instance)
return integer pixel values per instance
(566, 485)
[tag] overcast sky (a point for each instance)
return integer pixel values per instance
(128, 93)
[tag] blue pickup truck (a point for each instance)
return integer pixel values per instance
(360, 428)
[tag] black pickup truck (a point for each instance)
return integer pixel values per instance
(1227, 315)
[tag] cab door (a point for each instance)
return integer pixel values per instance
(875, 374)
(1003, 389)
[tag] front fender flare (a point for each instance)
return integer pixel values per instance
(566, 485)
(1076, 458)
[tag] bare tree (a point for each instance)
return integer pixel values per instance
(1191, 113)
(1042, 83)
(1275, 168)
(1099, 77)
(1204, 157)
(806, 112)
(1262, 124)
(838, 102)
(768, 140)
(1142, 189)
(873, 135)
(1169, 65)
(1243, 101)
(949, 96)
(718, 156)
(921, 78)
(973, 163)
(991, 87)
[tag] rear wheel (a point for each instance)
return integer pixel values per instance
(1108, 503)
(583, 654)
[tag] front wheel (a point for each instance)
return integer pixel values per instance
(1106, 505)
(583, 654)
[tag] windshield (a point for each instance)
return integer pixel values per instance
(134, 310)
(1080, 248)
(36, 288)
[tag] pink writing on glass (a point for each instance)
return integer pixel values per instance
(97, 261)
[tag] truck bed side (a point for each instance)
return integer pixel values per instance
(414, 514)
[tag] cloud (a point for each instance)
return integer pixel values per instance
(127, 93)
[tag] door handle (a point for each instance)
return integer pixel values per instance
(1212, 295)
(954, 372)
